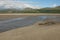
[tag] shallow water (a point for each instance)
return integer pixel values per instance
(26, 21)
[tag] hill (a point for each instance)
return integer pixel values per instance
(50, 10)
(31, 10)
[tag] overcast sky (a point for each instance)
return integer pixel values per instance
(29, 3)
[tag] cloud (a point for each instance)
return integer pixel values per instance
(10, 4)
(15, 4)
(54, 5)
(31, 6)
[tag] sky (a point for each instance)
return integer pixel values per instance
(29, 3)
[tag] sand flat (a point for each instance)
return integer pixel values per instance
(33, 32)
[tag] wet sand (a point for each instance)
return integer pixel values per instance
(3, 17)
(33, 32)
(10, 24)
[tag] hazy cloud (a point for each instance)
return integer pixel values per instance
(15, 4)
(54, 5)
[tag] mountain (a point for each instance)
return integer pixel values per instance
(57, 7)
(30, 10)
(50, 10)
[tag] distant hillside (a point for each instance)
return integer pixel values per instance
(57, 7)
(50, 10)
(30, 10)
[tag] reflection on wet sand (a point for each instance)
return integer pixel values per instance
(26, 21)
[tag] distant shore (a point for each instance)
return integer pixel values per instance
(29, 14)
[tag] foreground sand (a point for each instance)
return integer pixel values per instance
(33, 32)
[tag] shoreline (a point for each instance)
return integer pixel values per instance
(30, 14)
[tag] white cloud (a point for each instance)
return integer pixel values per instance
(31, 6)
(54, 5)
(1, 3)
(15, 4)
